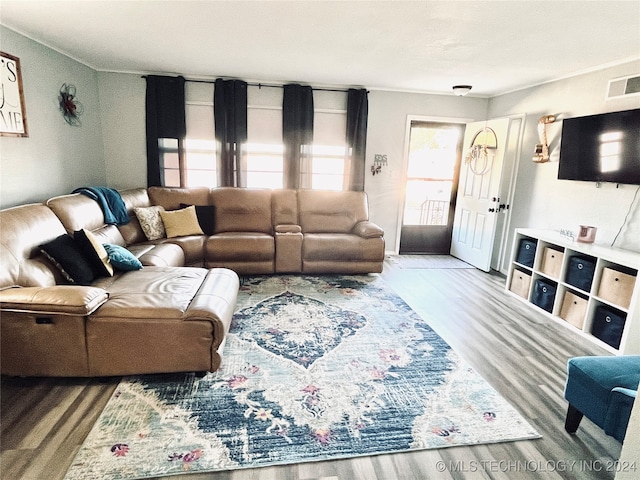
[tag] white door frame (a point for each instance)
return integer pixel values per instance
(510, 189)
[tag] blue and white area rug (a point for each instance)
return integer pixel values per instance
(314, 368)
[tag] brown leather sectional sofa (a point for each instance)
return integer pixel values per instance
(172, 315)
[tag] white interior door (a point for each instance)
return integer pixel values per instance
(478, 201)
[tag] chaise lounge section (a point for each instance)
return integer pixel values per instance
(154, 320)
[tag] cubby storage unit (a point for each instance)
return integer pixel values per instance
(592, 289)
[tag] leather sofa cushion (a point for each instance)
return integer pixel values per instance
(368, 230)
(132, 232)
(174, 198)
(109, 234)
(242, 210)
(158, 254)
(77, 211)
(322, 246)
(163, 255)
(135, 197)
(240, 246)
(141, 248)
(329, 211)
(288, 229)
(193, 248)
(153, 292)
(62, 299)
(22, 230)
(284, 207)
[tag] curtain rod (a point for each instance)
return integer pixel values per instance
(271, 85)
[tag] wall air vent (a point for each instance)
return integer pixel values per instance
(623, 86)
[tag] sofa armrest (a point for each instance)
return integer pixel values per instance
(367, 229)
(288, 229)
(60, 299)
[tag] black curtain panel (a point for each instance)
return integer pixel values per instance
(357, 114)
(230, 116)
(165, 118)
(297, 135)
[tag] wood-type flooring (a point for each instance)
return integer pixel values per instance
(521, 352)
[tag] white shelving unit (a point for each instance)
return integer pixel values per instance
(571, 306)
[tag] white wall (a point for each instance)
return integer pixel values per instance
(56, 157)
(122, 100)
(386, 135)
(543, 201)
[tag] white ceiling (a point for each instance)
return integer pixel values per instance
(425, 46)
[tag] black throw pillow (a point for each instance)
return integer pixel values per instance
(65, 254)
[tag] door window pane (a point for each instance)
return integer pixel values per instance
(427, 202)
(432, 164)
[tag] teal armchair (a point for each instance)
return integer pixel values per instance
(603, 389)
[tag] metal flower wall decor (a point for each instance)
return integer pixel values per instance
(71, 108)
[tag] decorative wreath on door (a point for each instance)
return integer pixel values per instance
(478, 155)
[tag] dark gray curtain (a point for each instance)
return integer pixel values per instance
(230, 116)
(165, 118)
(357, 115)
(297, 135)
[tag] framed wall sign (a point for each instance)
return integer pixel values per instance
(13, 117)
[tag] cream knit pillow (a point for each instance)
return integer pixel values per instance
(150, 221)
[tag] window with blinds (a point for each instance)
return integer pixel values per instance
(264, 161)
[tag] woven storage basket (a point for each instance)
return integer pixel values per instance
(520, 283)
(573, 310)
(616, 287)
(551, 262)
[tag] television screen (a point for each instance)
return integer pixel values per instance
(601, 148)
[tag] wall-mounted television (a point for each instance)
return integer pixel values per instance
(601, 148)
